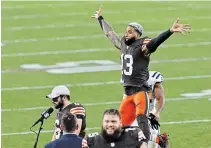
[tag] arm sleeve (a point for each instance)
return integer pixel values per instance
(155, 42)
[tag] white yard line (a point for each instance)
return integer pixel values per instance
(68, 4)
(186, 121)
(47, 15)
(97, 128)
(195, 6)
(41, 5)
(63, 38)
(90, 104)
(44, 107)
(182, 60)
(97, 83)
(5, 71)
(94, 24)
(56, 52)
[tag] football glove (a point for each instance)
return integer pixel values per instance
(154, 123)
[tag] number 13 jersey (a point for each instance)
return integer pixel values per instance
(134, 63)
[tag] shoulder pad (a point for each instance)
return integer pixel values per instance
(155, 77)
(77, 104)
(91, 138)
(135, 133)
(129, 129)
(91, 135)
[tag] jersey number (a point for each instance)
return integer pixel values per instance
(128, 60)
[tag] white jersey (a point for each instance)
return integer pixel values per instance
(154, 77)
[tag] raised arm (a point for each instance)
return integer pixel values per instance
(107, 29)
(155, 42)
(80, 113)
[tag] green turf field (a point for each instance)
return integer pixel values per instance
(50, 34)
